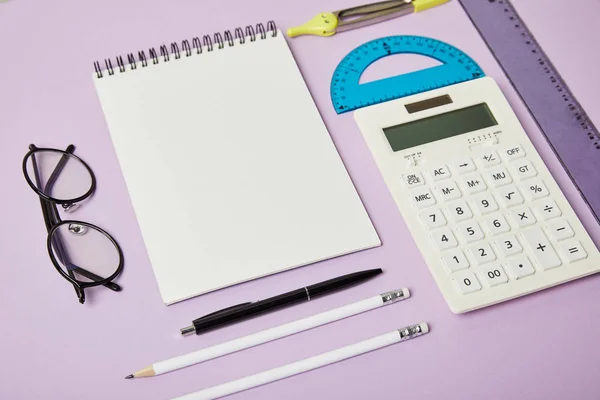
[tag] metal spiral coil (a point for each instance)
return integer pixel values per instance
(196, 44)
(229, 38)
(175, 50)
(216, 42)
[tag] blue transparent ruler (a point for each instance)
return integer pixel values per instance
(348, 94)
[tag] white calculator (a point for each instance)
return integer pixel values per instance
(489, 219)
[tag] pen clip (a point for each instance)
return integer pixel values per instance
(223, 310)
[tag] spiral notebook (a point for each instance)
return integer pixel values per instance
(230, 169)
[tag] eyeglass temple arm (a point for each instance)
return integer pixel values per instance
(47, 219)
(60, 247)
(49, 211)
(58, 169)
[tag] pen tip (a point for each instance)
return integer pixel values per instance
(130, 376)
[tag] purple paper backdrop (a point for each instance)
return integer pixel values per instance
(541, 346)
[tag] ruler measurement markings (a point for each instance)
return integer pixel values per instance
(562, 120)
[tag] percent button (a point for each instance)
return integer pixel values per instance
(535, 189)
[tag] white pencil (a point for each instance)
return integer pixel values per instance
(268, 335)
(308, 364)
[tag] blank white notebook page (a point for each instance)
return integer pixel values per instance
(230, 169)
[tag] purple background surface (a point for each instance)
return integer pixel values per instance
(540, 346)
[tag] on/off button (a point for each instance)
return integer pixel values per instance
(413, 179)
(513, 152)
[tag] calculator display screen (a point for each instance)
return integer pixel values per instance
(439, 127)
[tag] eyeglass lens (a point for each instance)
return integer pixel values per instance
(85, 251)
(60, 176)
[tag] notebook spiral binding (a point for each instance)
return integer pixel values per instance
(218, 40)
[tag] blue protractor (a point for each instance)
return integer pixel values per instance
(348, 94)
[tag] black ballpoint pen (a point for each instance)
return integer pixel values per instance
(243, 311)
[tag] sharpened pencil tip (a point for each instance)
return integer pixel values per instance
(130, 376)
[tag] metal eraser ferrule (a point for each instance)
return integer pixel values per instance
(393, 296)
(411, 331)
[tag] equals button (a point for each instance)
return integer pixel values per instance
(573, 250)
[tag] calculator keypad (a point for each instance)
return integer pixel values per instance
(494, 221)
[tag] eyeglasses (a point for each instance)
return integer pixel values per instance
(84, 254)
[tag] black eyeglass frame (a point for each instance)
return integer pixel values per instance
(54, 222)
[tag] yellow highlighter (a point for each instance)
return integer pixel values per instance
(329, 23)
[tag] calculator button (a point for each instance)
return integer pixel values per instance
(474, 183)
(560, 229)
(455, 260)
(470, 231)
(493, 275)
(482, 253)
(509, 245)
(522, 216)
(498, 176)
(496, 224)
(449, 190)
(519, 267)
(444, 239)
(572, 250)
(489, 159)
(485, 203)
(509, 196)
(524, 169)
(459, 211)
(464, 165)
(534, 189)
(541, 248)
(547, 209)
(433, 218)
(440, 172)
(422, 197)
(466, 282)
(413, 179)
(513, 152)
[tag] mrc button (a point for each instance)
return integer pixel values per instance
(422, 197)
(513, 152)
